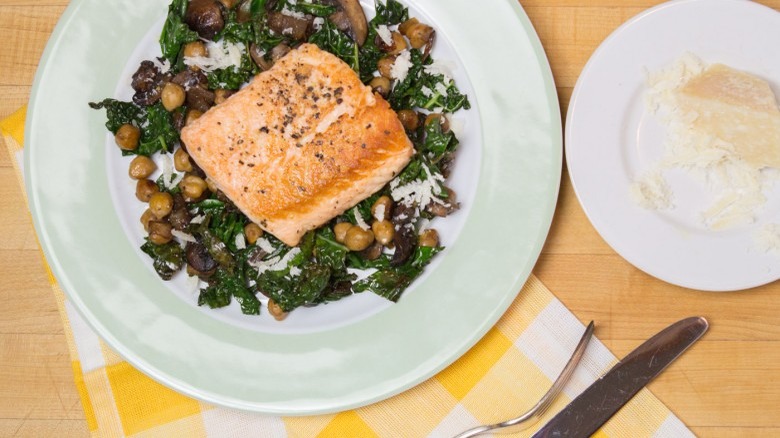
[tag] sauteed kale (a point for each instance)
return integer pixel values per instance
(192, 226)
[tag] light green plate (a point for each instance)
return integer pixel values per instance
(297, 372)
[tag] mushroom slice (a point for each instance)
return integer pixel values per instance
(351, 19)
(205, 18)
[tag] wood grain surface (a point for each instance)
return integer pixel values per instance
(728, 385)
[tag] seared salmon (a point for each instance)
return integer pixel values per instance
(300, 144)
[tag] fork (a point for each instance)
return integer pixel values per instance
(536, 412)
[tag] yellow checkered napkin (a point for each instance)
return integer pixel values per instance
(502, 376)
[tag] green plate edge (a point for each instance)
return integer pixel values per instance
(308, 374)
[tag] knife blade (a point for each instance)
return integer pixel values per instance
(601, 400)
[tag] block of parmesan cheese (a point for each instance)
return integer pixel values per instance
(300, 144)
(738, 108)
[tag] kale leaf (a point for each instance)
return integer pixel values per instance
(233, 77)
(390, 283)
(119, 113)
(168, 259)
(175, 32)
(390, 13)
(158, 133)
(156, 124)
(437, 143)
(226, 285)
(331, 39)
(427, 89)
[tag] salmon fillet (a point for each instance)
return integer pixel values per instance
(300, 144)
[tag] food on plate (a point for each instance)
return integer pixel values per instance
(300, 144)
(723, 128)
(290, 153)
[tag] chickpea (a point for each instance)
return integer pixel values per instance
(398, 45)
(384, 232)
(444, 210)
(419, 34)
(252, 232)
(211, 185)
(409, 119)
(382, 208)
(146, 218)
(192, 186)
(181, 161)
(221, 95)
(144, 189)
(161, 204)
(340, 230)
(429, 238)
(127, 137)
(192, 115)
(385, 66)
(437, 117)
(160, 232)
(173, 96)
(195, 48)
(380, 85)
(141, 167)
(358, 239)
(406, 25)
(276, 310)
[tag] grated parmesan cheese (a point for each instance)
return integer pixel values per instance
(169, 179)
(276, 263)
(240, 241)
(722, 129)
(768, 238)
(384, 34)
(379, 214)
(295, 14)
(265, 245)
(221, 54)
(359, 219)
(183, 237)
(652, 192)
(401, 66)
(418, 192)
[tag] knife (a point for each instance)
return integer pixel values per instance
(601, 400)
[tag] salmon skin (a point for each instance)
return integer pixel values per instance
(300, 144)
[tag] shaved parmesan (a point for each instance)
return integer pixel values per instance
(240, 241)
(384, 34)
(359, 219)
(221, 54)
(276, 263)
(169, 179)
(722, 129)
(265, 245)
(184, 237)
(418, 192)
(401, 66)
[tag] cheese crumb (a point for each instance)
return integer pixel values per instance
(401, 66)
(240, 241)
(384, 34)
(265, 245)
(418, 192)
(359, 219)
(768, 238)
(222, 54)
(652, 192)
(379, 213)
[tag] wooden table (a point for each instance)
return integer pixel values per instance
(727, 385)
